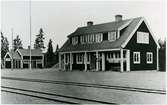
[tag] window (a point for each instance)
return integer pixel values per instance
(74, 40)
(149, 57)
(112, 36)
(143, 37)
(110, 55)
(80, 58)
(99, 37)
(82, 39)
(136, 57)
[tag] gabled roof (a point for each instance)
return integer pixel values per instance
(132, 23)
(13, 54)
(34, 52)
(105, 27)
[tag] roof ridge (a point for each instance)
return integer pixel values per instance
(111, 22)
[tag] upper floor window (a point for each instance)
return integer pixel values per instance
(136, 57)
(112, 36)
(99, 37)
(82, 39)
(149, 57)
(74, 40)
(143, 37)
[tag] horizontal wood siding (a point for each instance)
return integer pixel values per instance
(142, 48)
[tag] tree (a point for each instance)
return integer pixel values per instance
(39, 41)
(4, 45)
(162, 55)
(56, 59)
(17, 43)
(49, 55)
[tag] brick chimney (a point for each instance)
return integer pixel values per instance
(118, 18)
(89, 23)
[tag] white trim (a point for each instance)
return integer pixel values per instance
(59, 61)
(151, 32)
(138, 55)
(85, 61)
(91, 51)
(150, 56)
(132, 33)
(127, 60)
(19, 53)
(6, 55)
(71, 57)
(121, 61)
(125, 25)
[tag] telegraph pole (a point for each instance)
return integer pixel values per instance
(30, 31)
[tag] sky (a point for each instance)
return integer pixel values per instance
(60, 18)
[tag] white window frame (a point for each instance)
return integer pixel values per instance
(79, 58)
(112, 36)
(136, 57)
(74, 40)
(98, 37)
(82, 39)
(142, 37)
(149, 57)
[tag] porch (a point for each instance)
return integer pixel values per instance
(101, 60)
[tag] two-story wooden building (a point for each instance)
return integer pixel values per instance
(21, 59)
(122, 45)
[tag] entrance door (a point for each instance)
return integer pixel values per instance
(92, 61)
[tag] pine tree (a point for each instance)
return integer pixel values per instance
(39, 41)
(4, 45)
(56, 54)
(17, 43)
(50, 55)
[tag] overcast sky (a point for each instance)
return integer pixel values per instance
(59, 19)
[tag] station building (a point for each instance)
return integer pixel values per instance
(121, 45)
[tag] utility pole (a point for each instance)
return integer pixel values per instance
(30, 31)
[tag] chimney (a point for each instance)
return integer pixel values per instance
(89, 23)
(28, 47)
(118, 18)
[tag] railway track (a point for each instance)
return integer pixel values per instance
(52, 96)
(124, 88)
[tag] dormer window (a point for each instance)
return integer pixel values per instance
(112, 36)
(74, 40)
(99, 37)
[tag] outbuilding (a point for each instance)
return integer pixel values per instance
(21, 59)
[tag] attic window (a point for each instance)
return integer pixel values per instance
(74, 40)
(143, 37)
(112, 36)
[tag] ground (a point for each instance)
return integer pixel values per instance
(137, 79)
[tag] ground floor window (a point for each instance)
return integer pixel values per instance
(80, 58)
(136, 57)
(149, 57)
